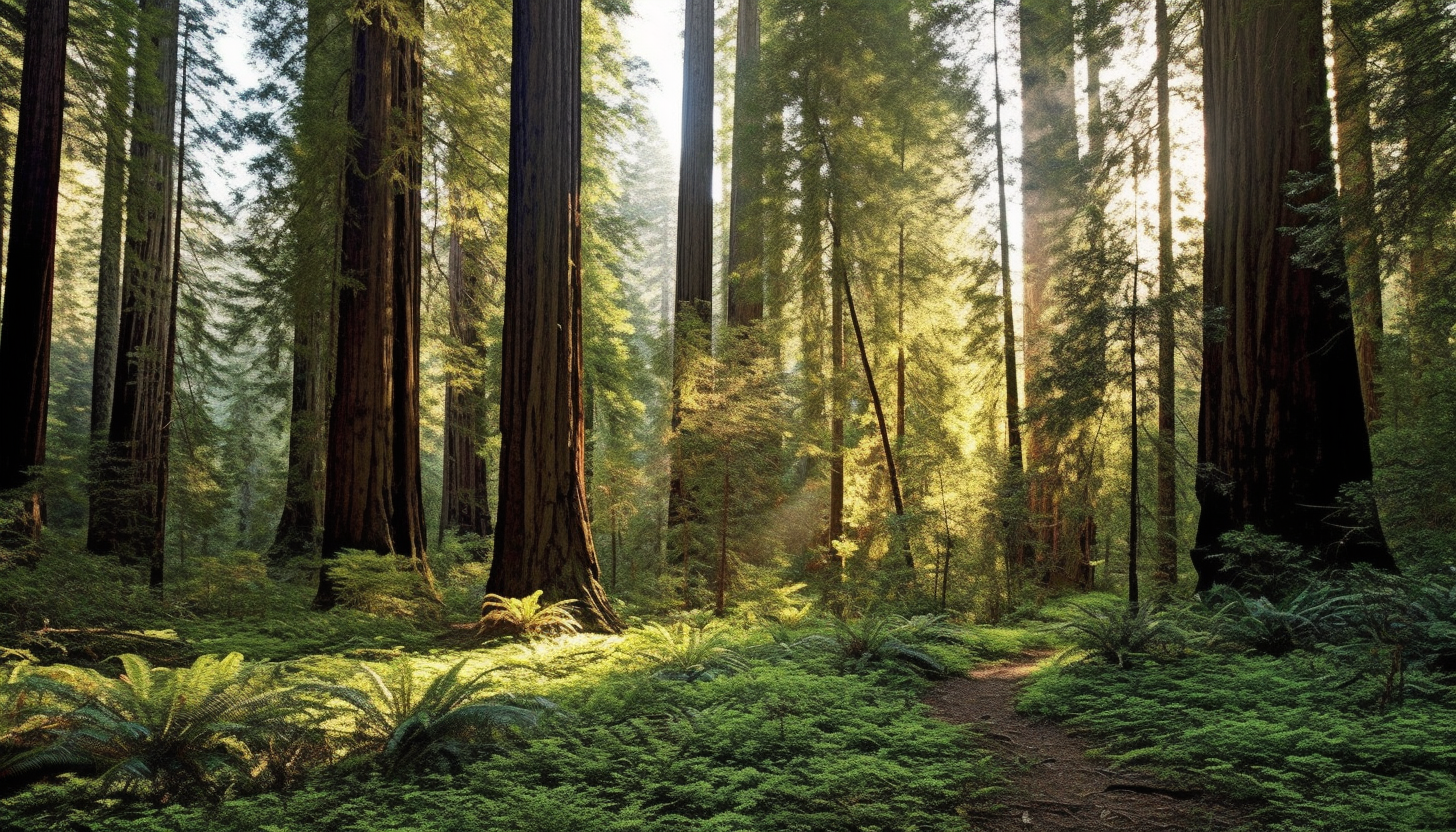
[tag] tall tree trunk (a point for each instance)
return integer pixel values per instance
(25, 335)
(1016, 461)
(1048, 173)
(466, 493)
(837, 397)
(694, 312)
(745, 226)
(128, 506)
(1166, 571)
(1357, 189)
(157, 571)
(113, 231)
(543, 535)
(373, 500)
(316, 226)
(1282, 426)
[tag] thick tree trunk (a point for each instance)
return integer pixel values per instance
(315, 237)
(1282, 426)
(694, 310)
(373, 500)
(465, 496)
(1357, 189)
(745, 226)
(25, 335)
(128, 506)
(113, 228)
(1048, 172)
(1166, 571)
(543, 534)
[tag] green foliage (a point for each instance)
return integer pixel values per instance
(886, 639)
(1119, 635)
(71, 588)
(378, 584)
(527, 616)
(1294, 734)
(400, 726)
(1263, 564)
(230, 585)
(160, 732)
(689, 653)
(1299, 621)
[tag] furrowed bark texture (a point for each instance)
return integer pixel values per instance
(128, 510)
(113, 232)
(1048, 171)
(315, 237)
(745, 228)
(373, 500)
(466, 495)
(543, 534)
(1282, 425)
(25, 335)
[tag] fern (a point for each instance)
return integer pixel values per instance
(526, 616)
(687, 653)
(163, 732)
(400, 725)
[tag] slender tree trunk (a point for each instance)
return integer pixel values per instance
(157, 572)
(543, 534)
(1166, 572)
(316, 237)
(1048, 172)
(373, 500)
(1357, 188)
(113, 232)
(1282, 426)
(128, 505)
(745, 225)
(1008, 306)
(466, 494)
(837, 397)
(25, 335)
(1135, 507)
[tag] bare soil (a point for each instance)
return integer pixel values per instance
(1052, 783)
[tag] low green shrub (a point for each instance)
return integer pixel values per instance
(378, 584)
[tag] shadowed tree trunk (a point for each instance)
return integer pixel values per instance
(25, 335)
(128, 512)
(465, 498)
(543, 535)
(315, 236)
(1166, 567)
(113, 228)
(373, 499)
(1049, 169)
(694, 310)
(1357, 189)
(745, 226)
(1282, 425)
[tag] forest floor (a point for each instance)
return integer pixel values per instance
(1052, 781)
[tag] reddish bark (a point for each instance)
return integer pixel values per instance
(465, 498)
(373, 500)
(543, 537)
(1282, 425)
(25, 335)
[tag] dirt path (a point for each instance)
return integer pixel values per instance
(1052, 784)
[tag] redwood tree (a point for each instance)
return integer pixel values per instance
(25, 335)
(373, 500)
(543, 537)
(129, 507)
(1282, 427)
(745, 225)
(465, 495)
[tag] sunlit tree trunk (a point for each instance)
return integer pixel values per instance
(25, 335)
(745, 226)
(1048, 173)
(1282, 426)
(373, 500)
(113, 231)
(694, 308)
(465, 498)
(128, 513)
(543, 534)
